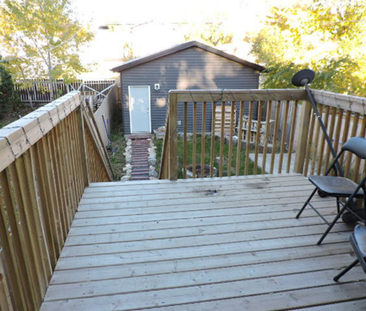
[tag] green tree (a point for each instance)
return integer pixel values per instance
(212, 33)
(8, 98)
(43, 38)
(324, 35)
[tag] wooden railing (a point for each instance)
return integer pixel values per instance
(46, 160)
(268, 131)
(344, 117)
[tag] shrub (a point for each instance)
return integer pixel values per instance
(8, 98)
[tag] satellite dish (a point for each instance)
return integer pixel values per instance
(303, 77)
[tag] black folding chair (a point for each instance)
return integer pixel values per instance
(358, 242)
(340, 187)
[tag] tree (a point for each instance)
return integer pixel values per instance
(212, 33)
(324, 35)
(8, 98)
(127, 52)
(42, 39)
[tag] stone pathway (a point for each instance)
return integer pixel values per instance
(140, 158)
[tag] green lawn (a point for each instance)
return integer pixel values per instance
(159, 144)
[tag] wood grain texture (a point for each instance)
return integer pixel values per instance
(184, 247)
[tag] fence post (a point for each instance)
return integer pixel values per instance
(173, 136)
(301, 144)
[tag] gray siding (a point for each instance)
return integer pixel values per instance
(192, 68)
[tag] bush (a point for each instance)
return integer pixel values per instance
(8, 98)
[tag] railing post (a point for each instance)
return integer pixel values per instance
(301, 144)
(173, 137)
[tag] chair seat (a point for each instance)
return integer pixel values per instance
(359, 236)
(335, 186)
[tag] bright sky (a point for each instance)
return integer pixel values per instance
(161, 32)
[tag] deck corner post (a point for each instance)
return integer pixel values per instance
(173, 136)
(301, 143)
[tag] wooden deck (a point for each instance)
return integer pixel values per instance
(219, 244)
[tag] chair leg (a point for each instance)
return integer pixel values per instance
(306, 203)
(338, 276)
(331, 225)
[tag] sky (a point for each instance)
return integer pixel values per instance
(151, 26)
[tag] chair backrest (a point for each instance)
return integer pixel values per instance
(356, 145)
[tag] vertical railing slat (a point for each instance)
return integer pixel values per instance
(240, 135)
(283, 136)
(173, 137)
(266, 136)
(347, 120)
(275, 136)
(292, 137)
(347, 172)
(194, 141)
(323, 141)
(338, 128)
(333, 113)
(185, 140)
(310, 145)
(258, 137)
(230, 155)
(203, 139)
(222, 139)
(248, 138)
(213, 140)
(317, 138)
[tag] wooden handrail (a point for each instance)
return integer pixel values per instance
(46, 160)
(284, 139)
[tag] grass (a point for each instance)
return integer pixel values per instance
(118, 145)
(159, 146)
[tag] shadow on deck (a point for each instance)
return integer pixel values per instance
(214, 244)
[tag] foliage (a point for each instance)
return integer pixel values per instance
(325, 35)
(118, 145)
(42, 39)
(211, 33)
(127, 52)
(8, 98)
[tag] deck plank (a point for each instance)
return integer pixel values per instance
(180, 246)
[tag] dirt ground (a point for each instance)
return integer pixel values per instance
(15, 115)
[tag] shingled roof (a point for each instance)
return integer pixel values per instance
(181, 47)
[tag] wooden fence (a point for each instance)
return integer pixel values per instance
(103, 115)
(47, 159)
(289, 139)
(38, 91)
